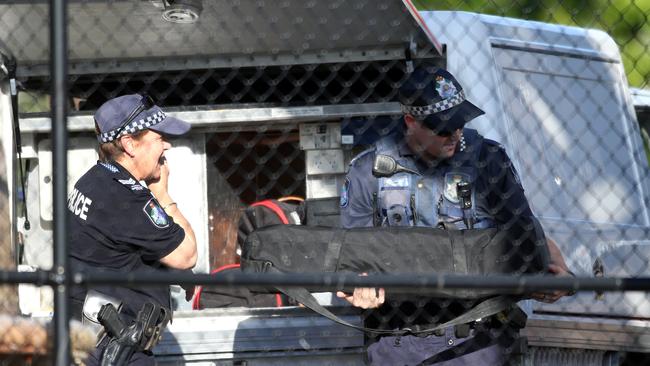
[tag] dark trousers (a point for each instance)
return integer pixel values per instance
(138, 359)
(412, 350)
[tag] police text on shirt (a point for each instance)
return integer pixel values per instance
(79, 204)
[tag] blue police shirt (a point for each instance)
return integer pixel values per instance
(116, 225)
(497, 185)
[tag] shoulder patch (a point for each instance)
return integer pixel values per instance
(345, 198)
(156, 214)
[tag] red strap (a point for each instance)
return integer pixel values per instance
(197, 296)
(273, 207)
(225, 267)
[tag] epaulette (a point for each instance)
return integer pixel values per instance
(362, 154)
(133, 184)
(494, 143)
(499, 147)
(491, 147)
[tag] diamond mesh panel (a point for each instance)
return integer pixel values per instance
(295, 101)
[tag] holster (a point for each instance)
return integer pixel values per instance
(93, 304)
(126, 339)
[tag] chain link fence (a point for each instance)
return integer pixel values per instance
(283, 96)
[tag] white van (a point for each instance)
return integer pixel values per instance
(556, 97)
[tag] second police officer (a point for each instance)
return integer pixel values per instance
(434, 152)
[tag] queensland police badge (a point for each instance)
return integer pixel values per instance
(445, 88)
(156, 214)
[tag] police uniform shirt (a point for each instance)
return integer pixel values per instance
(497, 181)
(117, 225)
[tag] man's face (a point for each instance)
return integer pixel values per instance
(427, 144)
(151, 148)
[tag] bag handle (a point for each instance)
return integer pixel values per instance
(484, 309)
(196, 302)
(197, 297)
(291, 199)
(273, 207)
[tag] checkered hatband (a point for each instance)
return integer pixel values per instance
(426, 110)
(137, 125)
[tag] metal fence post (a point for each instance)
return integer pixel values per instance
(58, 55)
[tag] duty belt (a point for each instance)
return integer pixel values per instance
(514, 318)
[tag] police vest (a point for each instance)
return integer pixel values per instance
(431, 199)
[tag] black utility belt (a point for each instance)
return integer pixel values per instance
(514, 318)
(460, 330)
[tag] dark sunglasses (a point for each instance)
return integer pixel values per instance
(444, 133)
(145, 103)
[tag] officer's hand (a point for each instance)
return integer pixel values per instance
(159, 187)
(364, 297)
(551, 297)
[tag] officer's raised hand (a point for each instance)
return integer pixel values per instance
(159, 186)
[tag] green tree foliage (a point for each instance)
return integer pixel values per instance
(626, 21)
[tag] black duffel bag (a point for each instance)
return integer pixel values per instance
(291, 248)
(520, 249)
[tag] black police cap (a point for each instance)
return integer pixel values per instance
(434, 96)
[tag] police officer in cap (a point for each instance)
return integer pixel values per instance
(118, 224)
(429, 160)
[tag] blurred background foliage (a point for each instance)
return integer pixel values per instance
(626, 21)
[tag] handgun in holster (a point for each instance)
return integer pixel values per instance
(141, 336)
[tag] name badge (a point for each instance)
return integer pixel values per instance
(394, 181)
